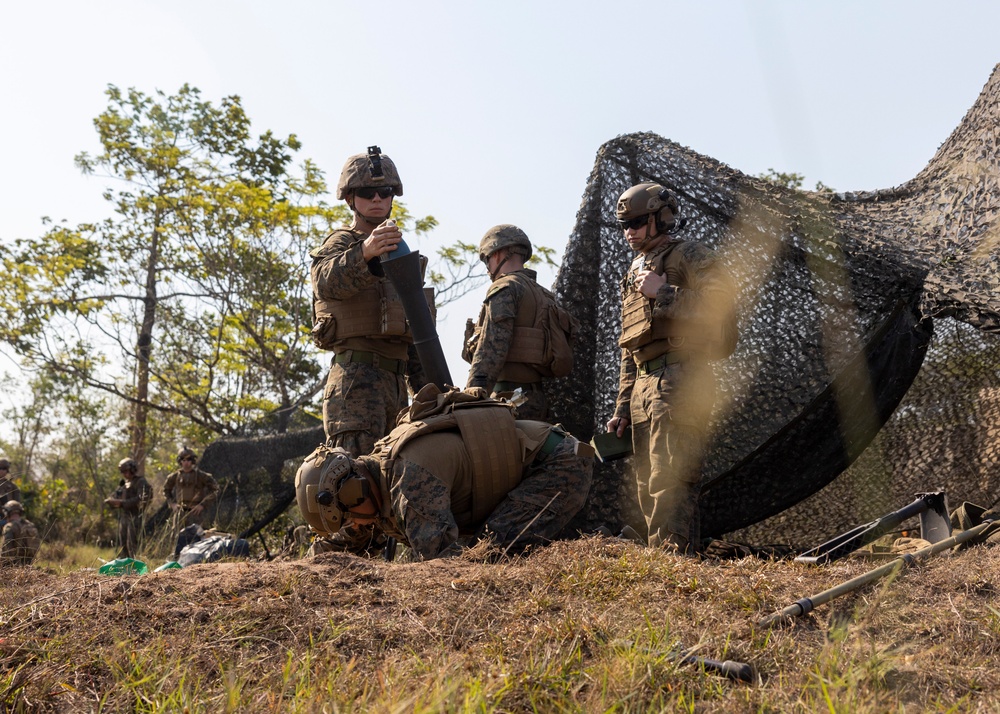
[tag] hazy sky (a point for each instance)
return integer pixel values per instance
(494, 112)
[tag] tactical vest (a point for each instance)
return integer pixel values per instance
(639, 326)
(374, 312)
(191, 489)
(496, 448)
(534, 349)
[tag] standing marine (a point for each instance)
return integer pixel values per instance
(130, 500)
(677, 315)
(189, 490)
(522, 336)
(358, 314)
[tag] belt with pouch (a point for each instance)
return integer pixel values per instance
(396, 366)
(650, 366)
(555, 438)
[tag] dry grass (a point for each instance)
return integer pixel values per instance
(589, 625)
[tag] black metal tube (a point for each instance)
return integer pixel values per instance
(402, 268)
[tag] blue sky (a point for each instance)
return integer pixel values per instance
(494, 112)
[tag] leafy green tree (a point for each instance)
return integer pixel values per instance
(190, 299)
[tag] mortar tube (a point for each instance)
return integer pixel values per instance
(402, 268)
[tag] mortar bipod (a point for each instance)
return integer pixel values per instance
(935, 526)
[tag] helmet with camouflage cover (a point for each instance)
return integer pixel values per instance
(361, 171)
(326, 486)
(12, 507)
(644, 199)
(187, 453)
(504, 235)
(128, 465)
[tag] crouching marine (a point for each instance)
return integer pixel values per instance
(458, 468)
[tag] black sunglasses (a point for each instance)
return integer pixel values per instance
(369, 193)
(637, 222)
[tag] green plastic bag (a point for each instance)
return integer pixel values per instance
(123, 566)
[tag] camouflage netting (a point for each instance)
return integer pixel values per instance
(869, 364)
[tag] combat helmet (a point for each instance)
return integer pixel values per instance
(186, 453)
(371, 170)
(12, 507)
(504, 235)
(128, 465)
(326, 486)
(644, 199)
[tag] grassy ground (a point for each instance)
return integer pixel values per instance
(591, 625)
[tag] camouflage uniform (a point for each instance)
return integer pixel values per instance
(490, 369)
(190, 489)
(8, 492)
(428, 492)
(20, 543)
(361, 399)
(667, 389)
(135, 495)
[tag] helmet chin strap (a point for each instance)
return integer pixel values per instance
(495, 273)
(651, 231)
(371, 222)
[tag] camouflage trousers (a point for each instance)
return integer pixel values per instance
(360, 405)
(668, 438)
(129, 532)
(552, 491)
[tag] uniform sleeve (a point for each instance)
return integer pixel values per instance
(626, 381)
(421, 503)
(168, 487)
(210, 490)
(339, 270)
(497, 331)
(416, 376)
(10, 534)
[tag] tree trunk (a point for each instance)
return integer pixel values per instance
(144, 346)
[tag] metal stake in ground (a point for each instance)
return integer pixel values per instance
(806, 604)
(740, 671)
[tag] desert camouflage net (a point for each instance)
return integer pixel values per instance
(869, 364)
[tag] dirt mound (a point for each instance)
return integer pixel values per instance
(579, 624)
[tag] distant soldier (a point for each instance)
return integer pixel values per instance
(456, 468)
(20, 537)
(522, 332)
(130, 498)
(8, 489)
(189, 491)
(359, 315)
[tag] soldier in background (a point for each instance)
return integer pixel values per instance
(358, 314)
(507, 347)
(8, 489)
(677, 314)
(446, 475)
(130, 499)
(189, 491)
(20, 537)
